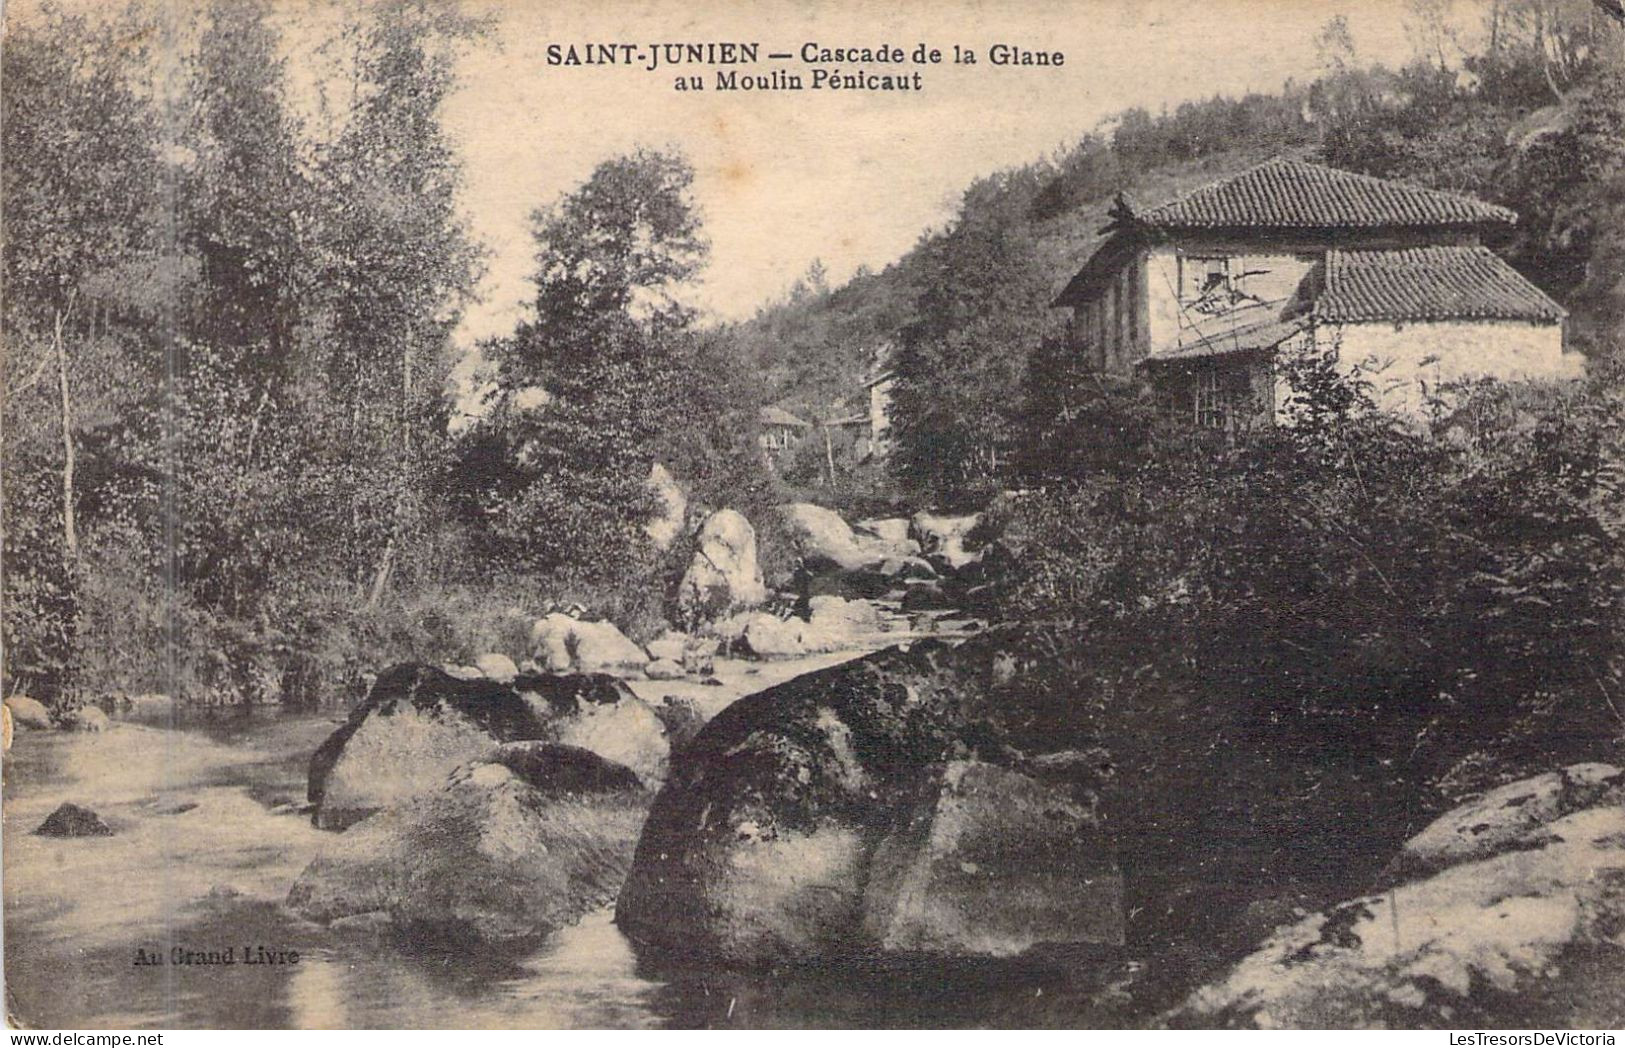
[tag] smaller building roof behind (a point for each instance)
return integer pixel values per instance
(1428, 283)
(1264, 333)
(780, 417)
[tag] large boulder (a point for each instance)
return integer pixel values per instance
(724, 575)
(419, 724)
(671, 508)
(564, 644)
(825, 817)
(988, 864)
(671, 646)
(495, 855)
(1514, 812)
(70, 820)
(416, 725)
(842, 621)
(1476, 942)
(893, 531)
(664, 669)
(30, 713)
(616, 725)
(901, 569)
(826, 542)
(770, 637)
(834, 624)
(942, 538)
(151, 706)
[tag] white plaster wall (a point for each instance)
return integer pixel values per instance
(1404, 361)
(1273, 277)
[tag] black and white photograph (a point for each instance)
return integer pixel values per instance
(989, 515)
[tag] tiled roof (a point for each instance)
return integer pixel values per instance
(1294, 194)
(1428, 283)
(1266, 333)
(781, 417)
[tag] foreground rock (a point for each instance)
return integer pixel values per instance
(868, 808)
(496, 855)
(70, 820)
(1534, 897)
(981, 832)
(724, 575)
(1501, 818)
(27, 712)
(419, 724)
(563, 644)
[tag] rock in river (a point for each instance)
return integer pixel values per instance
(724, 575)
(85, 718)
(489, 857)
(862, 808)
(562, 644)
(419, 723)
(826, 542)
(495, 666)
(70, 820)
(30, 713)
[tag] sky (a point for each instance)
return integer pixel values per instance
(849, 178)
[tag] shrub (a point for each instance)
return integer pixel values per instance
(1329, 626)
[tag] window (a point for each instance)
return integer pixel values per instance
(1204, 276)
(1212, 397)
(1212, 402)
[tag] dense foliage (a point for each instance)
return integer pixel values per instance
(230, 469)
(607, 379)
(1350, 621)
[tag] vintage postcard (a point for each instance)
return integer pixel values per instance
(985, 514)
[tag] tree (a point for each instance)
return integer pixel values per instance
(961, 363)
(240, 433)
(82, 262)
(609, 343)
(401, 266)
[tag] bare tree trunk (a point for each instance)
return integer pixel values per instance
(386, 563)
(70, 534)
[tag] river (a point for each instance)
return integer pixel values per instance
(206, 846)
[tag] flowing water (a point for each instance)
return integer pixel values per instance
(207, 843)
